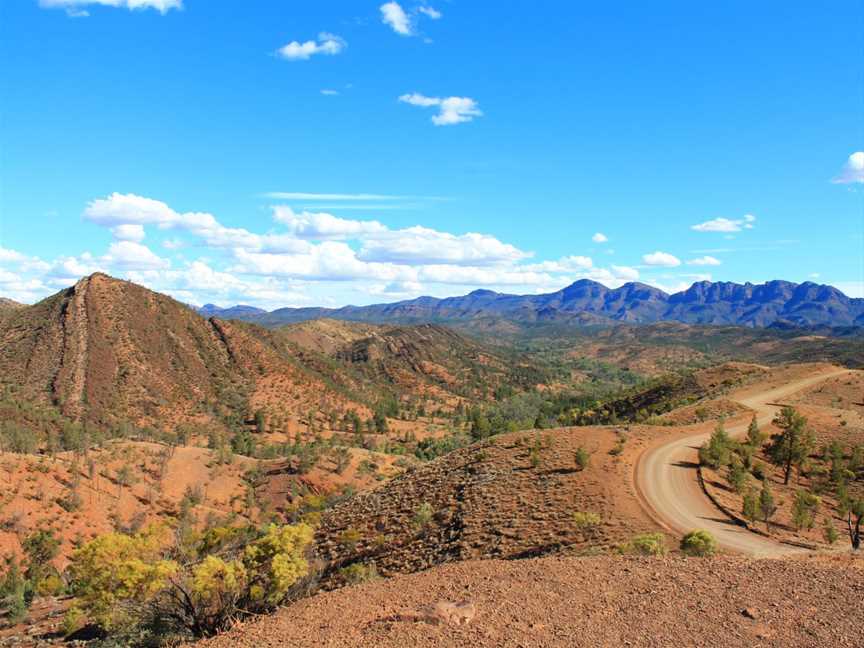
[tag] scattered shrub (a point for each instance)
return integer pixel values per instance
(358, 573)
(423, 515)
(586, 520)
(699, 543)
(645, 544)
(583, 458)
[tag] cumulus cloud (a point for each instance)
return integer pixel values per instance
(397, 289)
(328, 44)
(129, 209)
(661, 259)
(726, 225)
(573, 263)
(309, 225)
(705, 261)
(276, 267)
(599, 237)
(77, 8)
(853, 171)
(625, 272)
(128, 255)
(421, 245)
(128, 232)
(393, 15)
(451, 110)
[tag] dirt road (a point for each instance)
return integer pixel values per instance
(666, 476)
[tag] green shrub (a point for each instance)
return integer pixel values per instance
(829, 532)
(699, 543)
(582, 458)
(350, 537)
(423, 515)
(645, 544)
(586, 520)
(358, 573)
(804, 510)
(199, 586)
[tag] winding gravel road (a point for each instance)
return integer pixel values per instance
(667, 478)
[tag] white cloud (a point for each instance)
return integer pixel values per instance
(661, 259)
(565, 264)
(726, 225)
(430, 12)
(329, 44)
(318, 226)
(421, 245)
(850, 288)
(341, 257)
(128, 209)
(128, 232)
(10, 256)
(397, 289)
(125, 209)
(329, 93)
(626, 273)
(599, 237)
(77, 7)
(853, 170)
(128, 255)
(394, 15)
(330, 260)
(705, 261)
(451, 110)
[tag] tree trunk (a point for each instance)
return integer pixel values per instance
(855, 534)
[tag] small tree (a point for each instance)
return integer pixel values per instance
(755, 438)
(829, 532)
(13, 592)
(342, 456)
(750, 508)
(41, 547)
(738, 477)
(804, 510)
(699, 543)
(853, 511)
(380, 421)
(260, 422)
(767, 506)
(716, 452)
(793, 444)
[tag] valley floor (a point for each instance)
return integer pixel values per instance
(601, 601)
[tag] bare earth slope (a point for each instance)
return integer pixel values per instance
(106, 351)
(666, 475)
(576, 602)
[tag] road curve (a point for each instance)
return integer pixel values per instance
(667, 479)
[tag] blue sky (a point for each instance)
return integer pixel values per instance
(323, 153)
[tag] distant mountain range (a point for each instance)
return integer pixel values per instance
(773, 304)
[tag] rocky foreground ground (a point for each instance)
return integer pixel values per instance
(598, 601)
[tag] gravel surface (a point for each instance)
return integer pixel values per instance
(600, 601)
